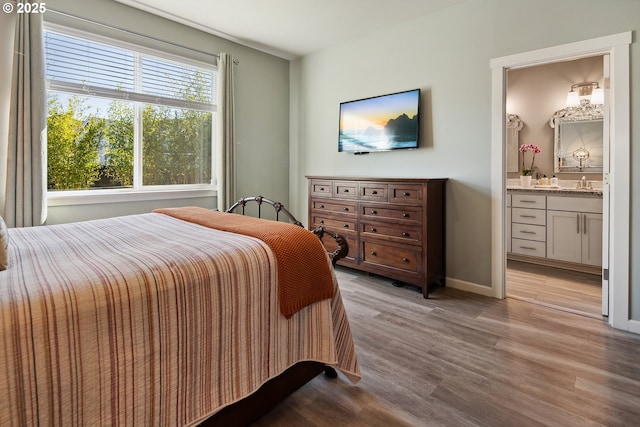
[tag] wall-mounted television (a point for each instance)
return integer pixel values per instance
(380, 123)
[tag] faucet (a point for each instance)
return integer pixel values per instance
(583, 184)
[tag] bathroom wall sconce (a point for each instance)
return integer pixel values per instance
(585, 93)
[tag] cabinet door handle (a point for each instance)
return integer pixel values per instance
(584, 224)
(578, 223)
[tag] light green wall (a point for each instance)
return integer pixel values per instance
(448, 55)
(261, 95)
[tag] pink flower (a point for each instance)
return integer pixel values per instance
(533, 149)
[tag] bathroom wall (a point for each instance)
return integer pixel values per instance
(536, 93)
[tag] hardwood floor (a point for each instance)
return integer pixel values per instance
(459, 359)
(576, 292)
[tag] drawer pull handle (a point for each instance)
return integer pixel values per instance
(321, 206)
(405, 234)
(374, 192)
(345, 226)
(405, 260)
(374, 212)
(528, 201)
(578, 223)
(405, 194)
(373, 230)
(321, 188)
(322, 221)
(346, 190)
(346, 209)
(405, 215)
(373, 253)
(528, 247)
(527, 232)
(527, 216)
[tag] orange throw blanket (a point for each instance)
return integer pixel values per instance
(304, 274)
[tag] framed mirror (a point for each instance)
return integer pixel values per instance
(578, 140)
(514, 126)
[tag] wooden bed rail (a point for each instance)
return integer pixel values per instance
(339, 253)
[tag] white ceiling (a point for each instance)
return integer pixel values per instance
(290, 28)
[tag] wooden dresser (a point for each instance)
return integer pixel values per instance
(395, 227)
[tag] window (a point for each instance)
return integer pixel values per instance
(126, 118)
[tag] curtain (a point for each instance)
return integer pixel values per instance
(226, 141)
(25, 193)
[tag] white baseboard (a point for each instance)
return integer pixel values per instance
(469, 287)
(634, 326)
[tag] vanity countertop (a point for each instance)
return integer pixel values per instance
(565, 187)
(556, 190)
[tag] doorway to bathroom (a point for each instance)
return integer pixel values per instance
(553, 258)
(616, 201)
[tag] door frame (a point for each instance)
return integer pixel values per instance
(617, 47)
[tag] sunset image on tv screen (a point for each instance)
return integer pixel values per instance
(381, 123)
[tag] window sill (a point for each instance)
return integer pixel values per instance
(93, 197)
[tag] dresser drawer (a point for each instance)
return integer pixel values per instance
(529, 232)
(410, 234)
(335, 206)
(528, 201)
(338, 224)
(405, 193)
(410, 213)
(528, 247)
(390, 256)
(321, 188)
(345, 190)
(373, 191)
(529, 216)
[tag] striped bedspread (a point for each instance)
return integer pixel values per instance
(147, 320)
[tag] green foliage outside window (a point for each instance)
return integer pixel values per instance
(87, 151)
(73, 139)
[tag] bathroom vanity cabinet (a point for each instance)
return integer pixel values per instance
(574, 229)
(562, 229)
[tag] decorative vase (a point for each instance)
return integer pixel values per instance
(525, 180)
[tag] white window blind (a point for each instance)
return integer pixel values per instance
(92, 68)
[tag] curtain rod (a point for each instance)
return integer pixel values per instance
(112, 27)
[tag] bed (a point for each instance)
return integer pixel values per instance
(165, 318)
